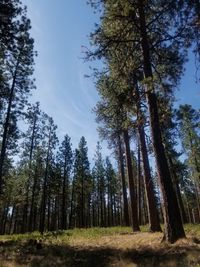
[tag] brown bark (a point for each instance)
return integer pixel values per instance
(139, 177)
(173, 224)
(6, 128)
(32, 205)
(154, 224)
(64, 200)
(123, 180)
(71, 215)
(133, 199)
(44, 190)
(177, 191)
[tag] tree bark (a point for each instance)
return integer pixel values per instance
(139, 184)
(173, 224)
(154, 224)
(72, 207)
(123, 180)
(44, 193)
(64, 199)
(133, 199)
(177, 191)
(6, 128)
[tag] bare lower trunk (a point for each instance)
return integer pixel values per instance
(177, 191)
(172, 219)
(154, 224)
(133, 199)
(139, 177)
(122, 173)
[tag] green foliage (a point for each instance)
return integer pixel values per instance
(189, 120)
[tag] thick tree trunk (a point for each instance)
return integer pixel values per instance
(173, 224)
(123, 180)
(154, 224)
(133, 199)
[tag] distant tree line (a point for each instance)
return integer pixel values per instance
(143, 45)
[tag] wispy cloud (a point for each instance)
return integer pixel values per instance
(65, 94)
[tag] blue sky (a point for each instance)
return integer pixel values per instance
(60, 31)
(60, 28)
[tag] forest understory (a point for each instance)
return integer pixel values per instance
(115, 246)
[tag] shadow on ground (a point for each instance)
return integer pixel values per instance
(32, 254)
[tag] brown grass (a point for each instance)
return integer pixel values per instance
(120, 248)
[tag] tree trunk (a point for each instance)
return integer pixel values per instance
(197, 198)
(177, 191)
(139, 184)
(82, 206)
(154, 224)
(16, 221)
(3, 220)
(173, 224)
(64, 201)
(109, 204)
(133, 199)
(123, 180)
(188, 210)
(25, 226)
(30, 226)
(72, 207)
(11, 220)
(44, 193)
(6, 128)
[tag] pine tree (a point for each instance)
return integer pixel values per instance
(50, 141)
(19, 61)
(81, 190)
(188, 120)
(65, 162)
(99, 175)
(132, 29)
(112, 185)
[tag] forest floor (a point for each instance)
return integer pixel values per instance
(116, 246)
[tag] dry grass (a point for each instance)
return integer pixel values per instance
(100, 247)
